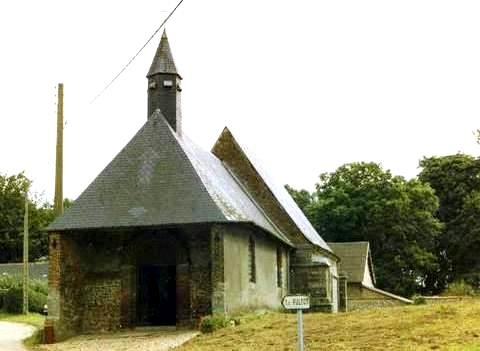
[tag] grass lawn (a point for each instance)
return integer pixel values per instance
(34, 319)
(453, 326)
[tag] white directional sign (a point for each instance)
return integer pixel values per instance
(299, 303)
(296, 302)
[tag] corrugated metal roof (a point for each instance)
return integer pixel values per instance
(159, 179)
(354, 259)
(163, 59)
(282, 196)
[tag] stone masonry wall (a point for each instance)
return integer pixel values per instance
(101, 296)
(65, 293)
(54, 277)
(201, 276)
(360, 298)
(312, 279)
(93, 276)
(311, 273)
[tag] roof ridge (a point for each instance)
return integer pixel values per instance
(268, 226)
(274, 191)
(122, 194)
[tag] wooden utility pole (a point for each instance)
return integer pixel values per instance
(58, 201)
(25, 256)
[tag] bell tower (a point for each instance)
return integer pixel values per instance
(164, 88)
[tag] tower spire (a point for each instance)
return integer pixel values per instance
(164, 85)
(163, 60)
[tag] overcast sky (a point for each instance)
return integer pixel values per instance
(307, 85)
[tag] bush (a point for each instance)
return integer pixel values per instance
(209, 324)
(36, 301)
(39, 286)
(7, 281)
(11, 294)
(13, 300)
(459, 288)
(3, 292)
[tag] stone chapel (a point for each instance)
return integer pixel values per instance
(168, 233)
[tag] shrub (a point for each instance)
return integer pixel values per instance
(3, 292)
(459, 288)
(11, 294)
(13, 300)
(39, 286)
(36, 301)
(7, 281)
(209, 324)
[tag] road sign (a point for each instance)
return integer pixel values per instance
(299, 303)
(296, 302)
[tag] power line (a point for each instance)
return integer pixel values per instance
(138, 52)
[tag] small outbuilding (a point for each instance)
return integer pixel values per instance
(356, 263)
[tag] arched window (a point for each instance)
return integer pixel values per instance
(251, 260)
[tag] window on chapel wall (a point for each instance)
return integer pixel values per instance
(279, 267)
(251, 260)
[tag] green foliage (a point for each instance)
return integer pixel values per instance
(459, 288)
(7, 281)
(36, 301)
(35, 319)
(39, 286)
(12, 293)
(302, 197)
(2, 298)
(362, 202)
(209, 324)
(12, 206)
(456, 181)
(13, 300)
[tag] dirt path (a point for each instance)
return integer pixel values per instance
(12, 334)
(140, 341)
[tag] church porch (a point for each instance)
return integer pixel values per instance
(105, 280)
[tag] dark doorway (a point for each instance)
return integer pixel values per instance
(156, 303)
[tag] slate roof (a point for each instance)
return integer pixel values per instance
(279, 192)
(354, 258)
(37, 270)
(162, 179)
(163, 59)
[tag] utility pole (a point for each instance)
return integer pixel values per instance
(58, 201)
(25, 256)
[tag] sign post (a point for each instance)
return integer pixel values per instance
(299, 303)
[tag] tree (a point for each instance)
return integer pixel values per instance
(456, 181)
(12, 205)
(302, 197)
(362, 202)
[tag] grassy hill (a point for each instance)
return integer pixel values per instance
(453, 326)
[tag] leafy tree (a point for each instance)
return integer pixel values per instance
(456, 180)
(302, 197)
(12, 206)
(361, 201)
